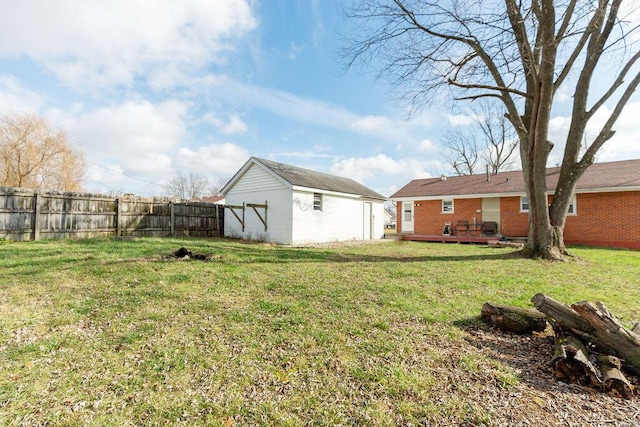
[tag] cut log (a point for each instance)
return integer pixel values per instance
(559, 313)
(609, 335)
(571, 363)
(612, 377)
(513, 319)
(636, 328)
(595, 325)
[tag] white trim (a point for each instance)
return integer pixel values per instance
(513, 194)
(332, 193)
(574, 202)
(452, 206)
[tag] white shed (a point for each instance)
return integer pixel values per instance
(274, 202)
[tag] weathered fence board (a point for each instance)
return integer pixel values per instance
(29, 215)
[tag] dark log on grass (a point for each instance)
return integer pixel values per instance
(571, 363)
(612, 377)
(513, 319)
(595, 325)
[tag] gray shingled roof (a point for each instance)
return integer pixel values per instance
(311, 179)
(612, 175)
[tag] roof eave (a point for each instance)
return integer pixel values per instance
(336, 193)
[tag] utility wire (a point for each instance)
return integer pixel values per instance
(124, 174)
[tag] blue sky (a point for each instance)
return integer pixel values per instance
(146, 88)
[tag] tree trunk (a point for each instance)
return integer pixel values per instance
(513, 319)
(571, 363)
(613, 378)
(595, 324)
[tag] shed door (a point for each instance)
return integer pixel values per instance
(491, 210)
(407, 217)
(368, 220)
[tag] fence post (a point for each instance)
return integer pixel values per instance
(36, 215)
(118, 217)
(173, 218)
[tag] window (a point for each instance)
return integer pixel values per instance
(408, 211)
(524, 205)
(572, 207)
(317, 201)
(447, 206)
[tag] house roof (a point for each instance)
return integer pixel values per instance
(301, 177)
(209, 199)
(611, 176)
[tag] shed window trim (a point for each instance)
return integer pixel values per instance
(524, 204)
(317, 201)
(447, 205)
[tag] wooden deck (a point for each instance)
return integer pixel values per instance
(450, 239)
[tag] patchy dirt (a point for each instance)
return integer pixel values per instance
(185, 254)
(539, 399)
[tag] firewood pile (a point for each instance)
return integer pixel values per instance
(592, 348)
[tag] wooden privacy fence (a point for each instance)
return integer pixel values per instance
(30, 215)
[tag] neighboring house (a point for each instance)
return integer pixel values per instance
(218, 200)
(605, 210)
(279, 203)
(389, 218)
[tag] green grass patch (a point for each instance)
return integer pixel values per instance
(116, 332)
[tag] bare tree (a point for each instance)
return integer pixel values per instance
(187, 186)
(461, 150)
(490, 138)
(219, 184)
(520, 53)
(34, 155)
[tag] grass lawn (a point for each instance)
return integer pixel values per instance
(113, 332)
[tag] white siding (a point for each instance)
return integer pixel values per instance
(341, 219)
(258, 186)
(291, 218)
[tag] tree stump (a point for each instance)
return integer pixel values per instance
(513, 319)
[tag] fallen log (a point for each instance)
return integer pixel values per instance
(595, 325)
(570, 362)
(610, 335)
(513, 319)
(636, 328)
(612, 377)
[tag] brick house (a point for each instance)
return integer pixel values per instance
(605, 210)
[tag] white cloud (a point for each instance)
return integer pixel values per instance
(234, 125)
(15, 98)
(314, 112)
(426, 145)
(624, 144)
(381, 172)
(95, 43)
(461, 119)
(371, 124)
(212, 160)
(131, 130)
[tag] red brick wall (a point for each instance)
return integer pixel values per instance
(513, 223)
(428, 217)
(603, 219)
